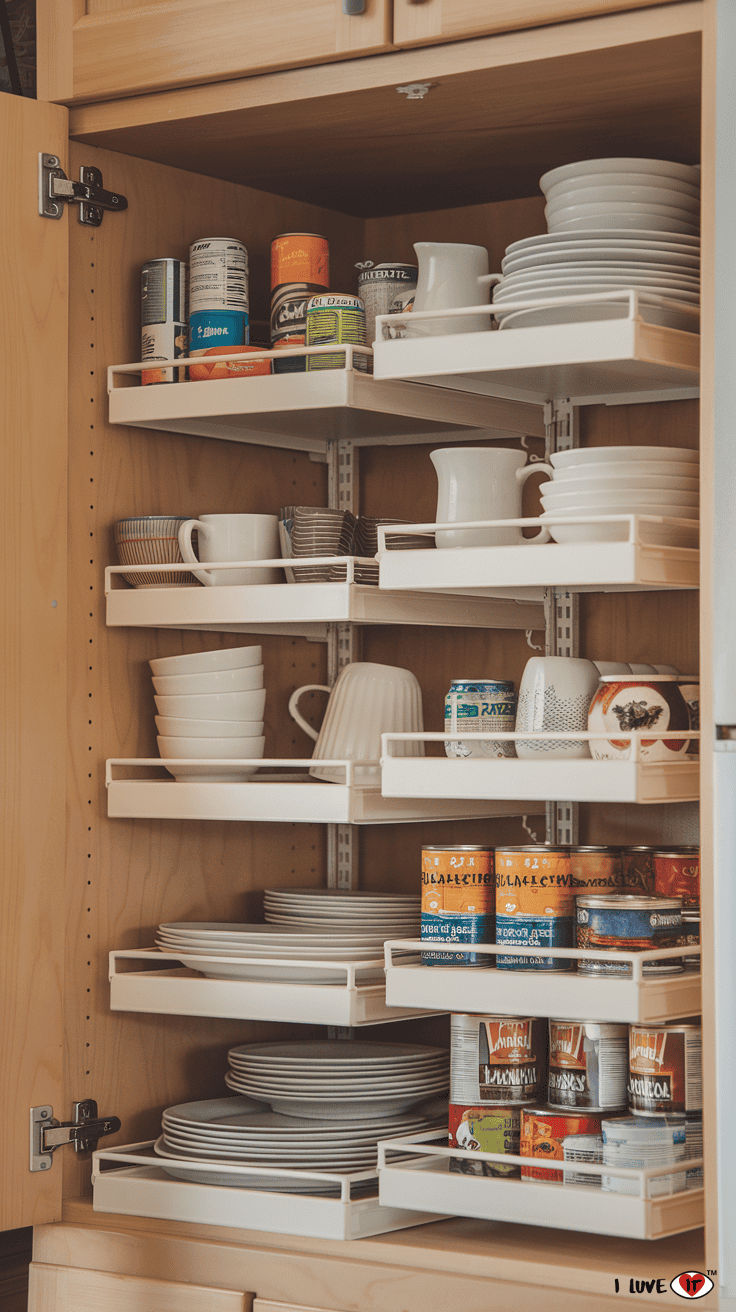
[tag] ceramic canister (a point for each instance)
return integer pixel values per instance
(497, 1059)
(636, 703)
(458, 902)
(535, 906)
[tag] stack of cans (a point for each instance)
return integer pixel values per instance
(218, 294)
(458, 896)
(300, 269)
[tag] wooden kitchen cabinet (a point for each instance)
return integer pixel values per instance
(417, 22)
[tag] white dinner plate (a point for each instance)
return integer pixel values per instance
(665, 272)
(336, 895)
(604, 455)
(321, 1159)
(627, 237)
(608, 469)
(666, 535)
(327, 1139)
(591, 313)
(344, 1110)
(621, 164)
(338, 1050)
(608, 222)
(215, 928)
(268, 1183)
(254, 1116)
(556, 289)
(286, 974)
(595, 253)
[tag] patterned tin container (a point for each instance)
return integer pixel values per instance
(337, 318)
(588, 1065)
(497, 1059)
(624, 923)
(543, 1135)
(596, 870)
(480, 706)
(458, 900)
(487, 1130)
(665, 1069)
(535, 906)
(677, 874)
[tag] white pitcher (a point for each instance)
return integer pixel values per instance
(449, 277)
(482, 483)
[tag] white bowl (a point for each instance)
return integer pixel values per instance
(175, 728)
(564, 208)
(606, 471)
(664, 168)
(602, 486)
(211, 749)
(598, 455)
(626, 186)
(215, 706)
(675, 535)
(627, 500)
(617, 222)
(189, 685)
(202, 662)
(609, 179)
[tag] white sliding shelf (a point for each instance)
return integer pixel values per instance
(443, 777)
(305, 411)
(129, 1181)
(148, 980)
(612, 359)
(287, 798)
(636, 999)
(425, 1179)
(307, 608)
(627, 566)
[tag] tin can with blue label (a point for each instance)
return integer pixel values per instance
(622, 923)
(480, 706)
(535, 906)
(458, 896)
(208, 328)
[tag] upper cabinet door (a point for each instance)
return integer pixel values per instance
(101, 49)
(417, 22)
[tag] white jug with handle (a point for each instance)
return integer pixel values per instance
(478, 482)
(451, 275)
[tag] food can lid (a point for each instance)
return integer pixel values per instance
(630, 900)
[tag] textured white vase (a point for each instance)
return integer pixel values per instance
(554, 696)
(482, 483)
(447, 280)
(366, 701)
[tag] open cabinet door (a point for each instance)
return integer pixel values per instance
(33, 621)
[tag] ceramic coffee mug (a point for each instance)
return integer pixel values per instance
(554, 696)
(482, 483)
(366, 701)
(232, 537)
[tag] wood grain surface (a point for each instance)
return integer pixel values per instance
(452, 20)
(69, 1289)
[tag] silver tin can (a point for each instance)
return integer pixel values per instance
(637, 1142)
(480, 706)
(164, 331)
(625, 923)
(588, 1065)
(381, 287)
(498, 1060)
(218, 275)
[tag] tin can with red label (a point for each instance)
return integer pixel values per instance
(497, 1059)
(543, 1135)
(535, 905)
(458, 901)
(677, 874)
(637, 866)
(588, 1065)
(596, 870)
(665, 1069)
(484, 1129)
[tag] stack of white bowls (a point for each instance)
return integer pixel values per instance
(613, 224)
(623, 480)
(210, 709)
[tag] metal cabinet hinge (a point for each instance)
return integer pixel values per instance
(48, 1134)
(55, 190)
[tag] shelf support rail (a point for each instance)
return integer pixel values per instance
(561, 611)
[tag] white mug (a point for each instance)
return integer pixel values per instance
(232, 537)
(366, 701)
(554, 696)
(482, 483)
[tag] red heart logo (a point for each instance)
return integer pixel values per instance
(691, 1284)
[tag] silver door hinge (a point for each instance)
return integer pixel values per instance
(55, 190)
(48, 1134)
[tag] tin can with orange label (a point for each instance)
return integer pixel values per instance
(596, 870)
(677, 874)
(300, 257)
(665, 1069)
(588, 1065)
(484, 1129)
(458, 901)
(497, 1059)
(535, 904)
(543, 1134)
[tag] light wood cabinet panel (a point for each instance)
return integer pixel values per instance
(417, 22)
(100, 49)
(70, 1289)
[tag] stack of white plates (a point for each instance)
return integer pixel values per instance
(224, 951)
(395, 915)
(243, 1132)
(623, 480)
(211, 706)
(339, 1079)
(613, 224)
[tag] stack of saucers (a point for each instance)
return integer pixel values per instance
(623, 480)
(241, 1131)
(211, 706)
(614, 224)
(365, 543)
(315, 531)
(395, 915)
(339, 1079)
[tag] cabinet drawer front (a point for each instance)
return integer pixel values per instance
(72, 1289)
(417, 22)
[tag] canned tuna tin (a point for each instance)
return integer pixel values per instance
(665, 1069)
(484, 1130)
(691, 934)
(634, 1142)
(497, 1059)
(596, 870)
(588, 1065)
(637, 865)
(543, 1134)
(218, 275)
(624, 923)
(534, 904)
(480, 706)
(164, 332)
(380, 287)
(339, 319)
(677, 874)
(458, 897)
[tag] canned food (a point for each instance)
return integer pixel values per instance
(636, 1143)
(596, 870)
(665, 1069)
(677, 874)
(691, 934)
(335, 318)
(588, 1064)
(582, 1148)
(208, 328)
(534, 904)
(637, 867)
(625, 923)
(543, 1134)
(480, 706)
(380, 287)
(300, 257)
(218, 275)
(694, 1148)
(484, 1130)
(497, 1059)
(164, 332)
(458, 900)
(289, 322)
(212, 368)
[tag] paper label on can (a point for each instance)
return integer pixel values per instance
(300, 257)
(596, 872)
(164, 341)
(665, 1070)
(458, 928)
(487, 1130)
(534, 884)
(543, 1135)
(586, 1070)
(289, 309)
(218, 328)
(458, 881)
(678, 876)
(534, 932)
(497, 1059)
(218, 275)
